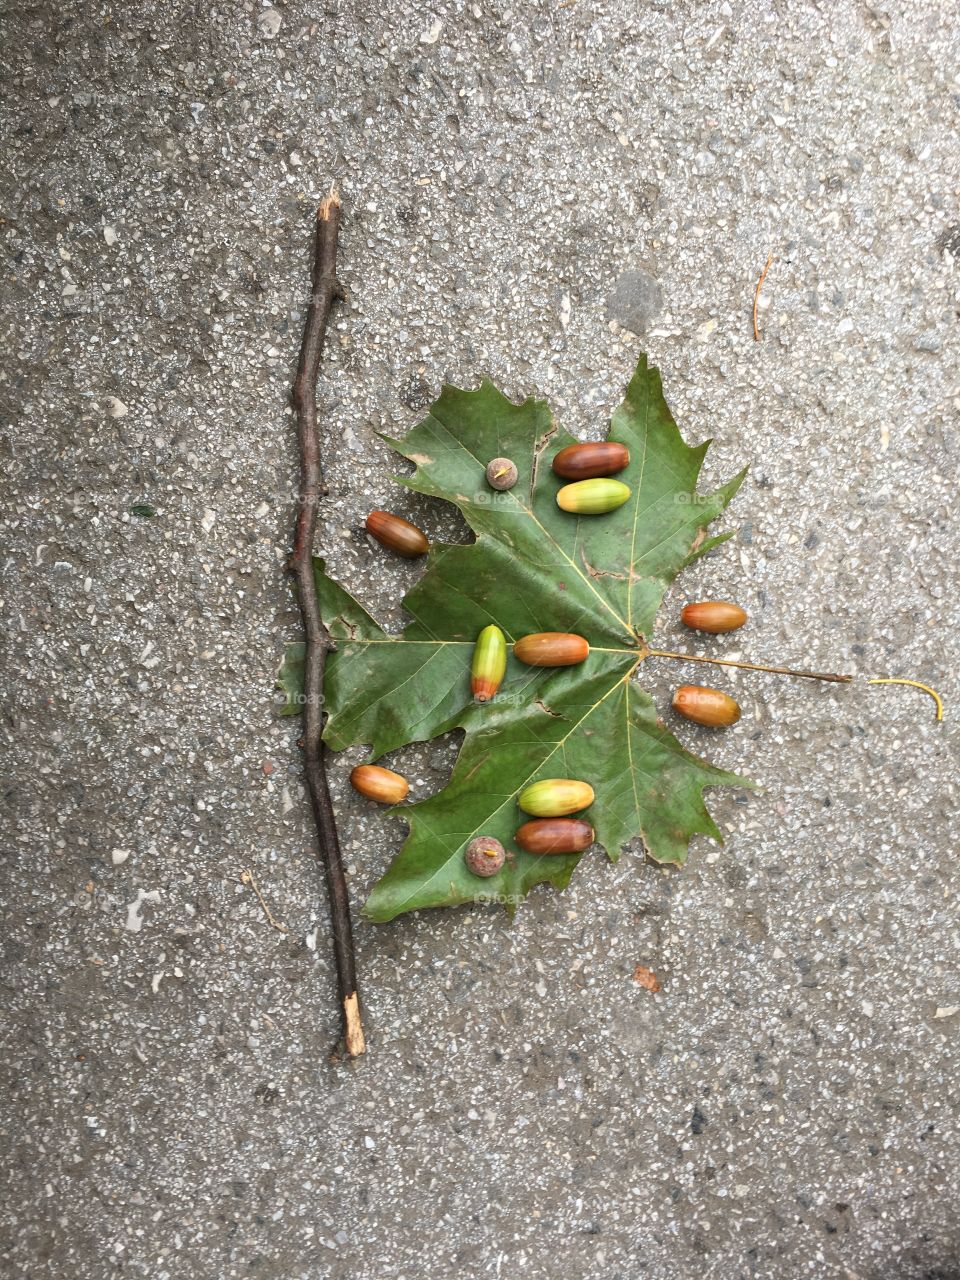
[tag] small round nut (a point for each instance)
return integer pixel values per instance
(501, 474)
(484, 856)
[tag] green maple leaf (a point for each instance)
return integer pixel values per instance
(532, 568)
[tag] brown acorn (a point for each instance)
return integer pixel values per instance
(377, 783)
(484, 856)
(715, 616)
(551, 649)
(397, 534)
(706, 706)
(501, 474)
(555, 835)
(595, 458)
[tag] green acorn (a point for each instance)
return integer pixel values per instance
(489, 663)
(593, 497)
(555, 797)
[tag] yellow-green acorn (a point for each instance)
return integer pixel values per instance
(555, 797)
(489, 663)
(593, 497)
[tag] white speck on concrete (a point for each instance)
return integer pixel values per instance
(432, 33)
(270, 22)
(134, 921)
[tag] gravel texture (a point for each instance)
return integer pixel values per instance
(786, 1104)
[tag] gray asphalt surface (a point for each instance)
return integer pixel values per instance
(534, 192)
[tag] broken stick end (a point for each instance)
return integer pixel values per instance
(353, 1037)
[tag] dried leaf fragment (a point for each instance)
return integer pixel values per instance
(646, 978)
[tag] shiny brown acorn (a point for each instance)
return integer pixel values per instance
(397, 534)
(551, 649)
(706, 706)
(715, 616)
(555, 835)
(595, 458)
(377, 783)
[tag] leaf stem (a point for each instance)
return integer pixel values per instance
(914, 684)
(747, 666)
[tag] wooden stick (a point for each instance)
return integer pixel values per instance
(324, 292)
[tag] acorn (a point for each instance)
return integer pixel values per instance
(555, 835)
(501, 474)
(551, 649)
(587, 461)
(377, 783)
(484, 856)
(715, 616)
(489, 663)
(397, 534)
(706, 706)
(555, 797)
(592, 497)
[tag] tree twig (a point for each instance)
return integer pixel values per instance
(746, 666)
(324, 292)
(756, 296)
